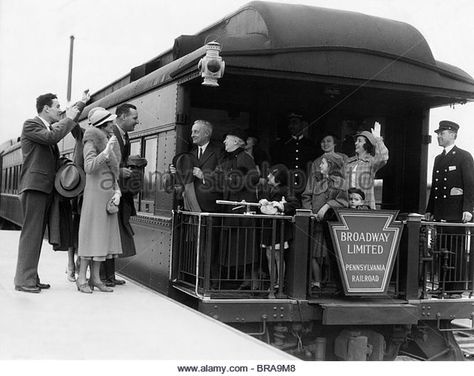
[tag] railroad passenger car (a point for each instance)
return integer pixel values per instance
(343, 71)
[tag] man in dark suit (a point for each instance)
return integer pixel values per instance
(127, 119)
(204, 157)
(207, 154)
(452, 194)
(40, 156)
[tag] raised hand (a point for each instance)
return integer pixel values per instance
(85, 96)
(376, 129)
(72, 112)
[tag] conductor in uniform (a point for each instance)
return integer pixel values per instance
(452, 188)
(451, 196)
(297, 153)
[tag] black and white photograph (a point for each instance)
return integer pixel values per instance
(254, 187)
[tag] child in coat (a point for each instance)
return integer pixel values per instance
(274, 200)
(324, 192)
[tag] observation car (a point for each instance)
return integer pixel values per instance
(343, 71)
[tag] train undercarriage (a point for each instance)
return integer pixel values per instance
(312, 331)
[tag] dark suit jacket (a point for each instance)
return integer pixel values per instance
(206, 192)
(40, 153)
(452, 187)
(127, 205)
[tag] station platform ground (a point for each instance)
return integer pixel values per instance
(132, 323)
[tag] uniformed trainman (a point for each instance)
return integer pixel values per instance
(296, 153)
(452, 188)
(451, 200)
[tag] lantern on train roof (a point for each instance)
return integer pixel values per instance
(211, 65)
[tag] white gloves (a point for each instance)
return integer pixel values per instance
(116, 197)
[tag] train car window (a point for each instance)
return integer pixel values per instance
(135, 147)
(4, 179)
(15, 179)
(147, 201)
(9, 180)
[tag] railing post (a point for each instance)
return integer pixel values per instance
(298, 257)
(175, 245)
(412, 256)
(207, 255)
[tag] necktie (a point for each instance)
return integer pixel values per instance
(443, 153)
(200, 153)
(126, 147)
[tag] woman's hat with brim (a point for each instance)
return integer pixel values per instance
(98, 116)
(70, 180)
(239, 133)
(368, 135)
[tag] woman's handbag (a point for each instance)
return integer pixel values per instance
(111, 207)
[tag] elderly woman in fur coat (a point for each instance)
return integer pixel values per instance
(99, 234)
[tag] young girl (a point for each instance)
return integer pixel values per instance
(324, 191)
(274, 200)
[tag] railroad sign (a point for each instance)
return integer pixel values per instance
(366, 243)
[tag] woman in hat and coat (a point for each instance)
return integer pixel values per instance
(371, 155)
(99, 234)
(237, 176)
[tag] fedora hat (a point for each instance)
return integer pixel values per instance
(98, 116)
(70, 180)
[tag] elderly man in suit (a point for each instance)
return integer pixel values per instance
(208, 154)
(451, 197)
(40, 156)
(202, 194)
(204, 156)
(127, 119)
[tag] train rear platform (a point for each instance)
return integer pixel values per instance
(132, 323)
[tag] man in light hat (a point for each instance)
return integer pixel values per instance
(39, 140)
(451, 200)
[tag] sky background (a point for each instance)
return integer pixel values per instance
(112, 36)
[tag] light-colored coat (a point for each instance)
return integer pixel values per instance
(99, 234)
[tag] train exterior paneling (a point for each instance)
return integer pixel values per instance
(151, 265)
(10, 208)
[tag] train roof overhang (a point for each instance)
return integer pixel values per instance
(330, 46)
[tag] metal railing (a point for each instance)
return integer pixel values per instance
(445, 259)
(231, 254)
(223, 255)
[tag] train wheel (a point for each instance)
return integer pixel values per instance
(428, 342)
